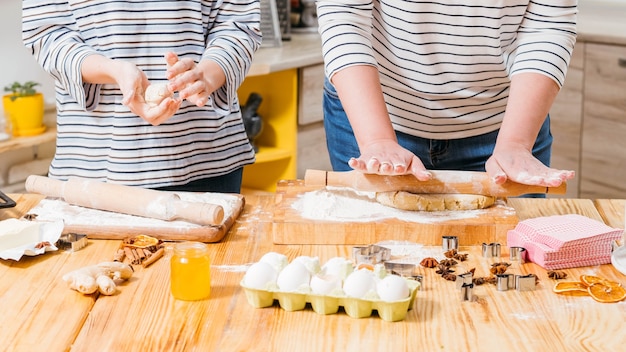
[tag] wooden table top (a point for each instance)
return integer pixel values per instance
(38, 309)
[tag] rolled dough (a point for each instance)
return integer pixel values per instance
(434, 202)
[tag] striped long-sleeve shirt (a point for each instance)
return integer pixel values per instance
(446, 66)
(98, 137)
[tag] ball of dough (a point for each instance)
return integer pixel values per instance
(155, 93)
(434, 202)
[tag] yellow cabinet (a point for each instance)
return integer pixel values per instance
(278, 144)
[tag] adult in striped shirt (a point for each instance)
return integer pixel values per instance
(103, 54)
(457, 85)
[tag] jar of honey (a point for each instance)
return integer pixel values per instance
(190, 276)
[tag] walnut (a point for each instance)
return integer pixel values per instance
(450, 253)
(557, 275)
(443, 270)
(499, 268)
(429, 262)
(448, 262)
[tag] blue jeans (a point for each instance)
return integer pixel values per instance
(229, 183)
(469, 154)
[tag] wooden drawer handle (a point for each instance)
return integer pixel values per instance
(621, 62)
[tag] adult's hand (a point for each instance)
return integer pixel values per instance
(387, 157)
(193, 81)
(518, 164)
(132, 82)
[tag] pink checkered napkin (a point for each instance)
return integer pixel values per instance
(570, 230)
(575, 264)
(550, 259)
(573, 248)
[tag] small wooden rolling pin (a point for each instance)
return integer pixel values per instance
(463, 182)
(126, 200)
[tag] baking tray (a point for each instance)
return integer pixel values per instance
(5, 201)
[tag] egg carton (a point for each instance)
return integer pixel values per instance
(326, 304)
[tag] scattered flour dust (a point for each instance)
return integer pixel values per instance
(345, 204)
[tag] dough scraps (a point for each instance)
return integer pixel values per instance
(435, 201)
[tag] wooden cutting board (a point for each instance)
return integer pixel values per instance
(99, 224)
(292, 226)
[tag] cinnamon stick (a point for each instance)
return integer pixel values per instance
(154, 257)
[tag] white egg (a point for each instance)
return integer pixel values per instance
(338, 266)
(294, 275)
(392, 288)
(277, 260)
(325, 284)
(260, 275)
(359, 283)
(311, 263)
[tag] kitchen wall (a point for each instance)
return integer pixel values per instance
(16, 64)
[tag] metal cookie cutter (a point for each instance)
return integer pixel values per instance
(491, 250)
(517, 254)
(372, 254)
(463, 279)
(504, 282)
(404, 270)
(450, 242)
(72, 242)
(466, 292)
(525, 282)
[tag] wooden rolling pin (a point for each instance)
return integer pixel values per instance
(465, 182)
(126, 200)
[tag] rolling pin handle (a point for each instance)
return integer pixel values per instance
(316, 178)
(44, 185)
(199, 213)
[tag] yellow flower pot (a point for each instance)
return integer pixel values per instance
(25, 114)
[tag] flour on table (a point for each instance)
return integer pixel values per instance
(55, 209)
(345, 204)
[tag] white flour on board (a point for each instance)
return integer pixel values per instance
(55, 209)
(345, 204)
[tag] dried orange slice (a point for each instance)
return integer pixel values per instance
(141, 241)
(606, 293)
(571, 287)
(591, 279)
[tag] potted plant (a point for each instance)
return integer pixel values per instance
(24, 108)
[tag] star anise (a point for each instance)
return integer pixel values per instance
(499, 268)
(450, 253)
(429, 262)
(484, 280)
(30, 216)
(460, 257)
(42, 244)
(470, 271)
(449, 277)
(443, 270)
(557, 275)
(479, 280)
(448, 262)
